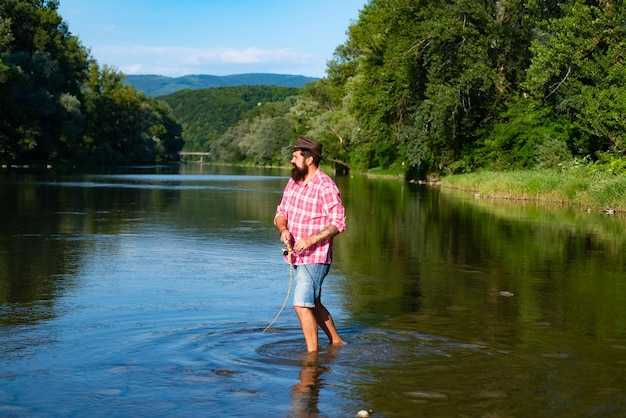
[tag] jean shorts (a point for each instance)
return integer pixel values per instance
(309, 279)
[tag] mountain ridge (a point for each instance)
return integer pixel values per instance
(154, 85)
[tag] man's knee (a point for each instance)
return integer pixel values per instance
(303, 311)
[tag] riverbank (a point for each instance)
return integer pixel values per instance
(591, 188)
(592, 191)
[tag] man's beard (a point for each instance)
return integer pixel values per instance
(298, 174)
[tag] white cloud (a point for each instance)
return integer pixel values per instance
(133, 69)
(176, 61)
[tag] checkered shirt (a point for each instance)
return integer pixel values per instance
(309, 208)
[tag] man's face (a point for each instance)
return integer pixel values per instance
(300, 167)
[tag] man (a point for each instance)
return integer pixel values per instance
(309, 215)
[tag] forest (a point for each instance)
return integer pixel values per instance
(206, 114)
(430, 88)
(420, 88)
(59, 107)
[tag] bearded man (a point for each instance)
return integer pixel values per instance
(309, 215)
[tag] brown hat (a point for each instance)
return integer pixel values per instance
(309, 145)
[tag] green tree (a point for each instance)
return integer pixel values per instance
(206, 114)
(260, 137)
(164, 131)
(265, 138)
(41, 66)
(56, 104)
(578, 70)
(529, 135)
(430, 75)
(124, 126)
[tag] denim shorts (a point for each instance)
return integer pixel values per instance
(309, 279)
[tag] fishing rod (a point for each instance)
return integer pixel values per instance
(286, 252)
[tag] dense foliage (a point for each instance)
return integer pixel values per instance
(420, 87)
(429, 87)
(58, 106)
(206, 114)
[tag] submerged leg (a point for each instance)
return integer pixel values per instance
(326, 323)
(308, 323)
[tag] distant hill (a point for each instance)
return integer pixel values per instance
(158, 85)
(206, 114)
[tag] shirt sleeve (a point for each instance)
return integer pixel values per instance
(281, 210)
(333, 206)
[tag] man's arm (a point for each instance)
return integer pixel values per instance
(327, 233)
(281, 224)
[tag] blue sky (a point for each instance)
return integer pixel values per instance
(216, 37)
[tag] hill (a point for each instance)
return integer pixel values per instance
(158, 85)
(207, 113)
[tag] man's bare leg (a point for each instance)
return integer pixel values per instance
(308, 323)
(325, 321)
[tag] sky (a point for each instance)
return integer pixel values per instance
(214, 37)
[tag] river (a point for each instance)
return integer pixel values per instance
(146, 293)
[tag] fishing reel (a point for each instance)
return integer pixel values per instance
(286, 249)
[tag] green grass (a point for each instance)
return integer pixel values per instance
(582, 187)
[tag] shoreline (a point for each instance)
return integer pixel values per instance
(604, 193)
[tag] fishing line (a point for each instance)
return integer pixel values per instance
(288, 249)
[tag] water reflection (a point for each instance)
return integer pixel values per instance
(117, 278)
(305, 394)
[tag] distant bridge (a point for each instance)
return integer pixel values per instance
(201, 154)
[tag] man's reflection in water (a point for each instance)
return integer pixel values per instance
(305, 394)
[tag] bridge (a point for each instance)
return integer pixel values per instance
(201, 154)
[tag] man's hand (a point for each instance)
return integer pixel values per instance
(327, 233)
(285, 235)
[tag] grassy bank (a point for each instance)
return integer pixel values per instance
(586, 188)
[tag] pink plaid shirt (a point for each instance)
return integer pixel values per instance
(309, 208)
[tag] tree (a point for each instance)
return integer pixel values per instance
(57, 105)
(124, 126)
(430, 75)
(206, 114)
(578, 70)
(41, 66)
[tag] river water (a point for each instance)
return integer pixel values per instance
(146, 293)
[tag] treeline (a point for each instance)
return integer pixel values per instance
(206, 114)
(426, 87)
(420, 87)
(58, 106)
